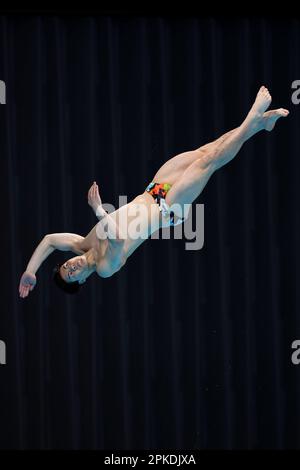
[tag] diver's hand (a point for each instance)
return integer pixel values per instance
(94, 199)
(27, 283)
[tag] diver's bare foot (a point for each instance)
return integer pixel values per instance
(270, 117)
(254, 120)
(262, 102)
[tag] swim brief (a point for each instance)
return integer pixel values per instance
(159, 191)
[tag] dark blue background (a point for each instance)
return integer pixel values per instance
(180, 349)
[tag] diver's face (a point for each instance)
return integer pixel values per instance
(75, 269)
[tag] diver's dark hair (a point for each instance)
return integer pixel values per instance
(68, 287)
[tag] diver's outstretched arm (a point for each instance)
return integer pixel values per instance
(51, 242)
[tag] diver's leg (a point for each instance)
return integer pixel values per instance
(188, 187)
(172, 170)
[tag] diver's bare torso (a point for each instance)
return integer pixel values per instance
(144, 211)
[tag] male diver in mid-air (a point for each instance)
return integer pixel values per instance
(177, 183)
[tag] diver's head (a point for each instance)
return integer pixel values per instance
(69, 275)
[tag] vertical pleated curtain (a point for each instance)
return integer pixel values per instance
(182, 349)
